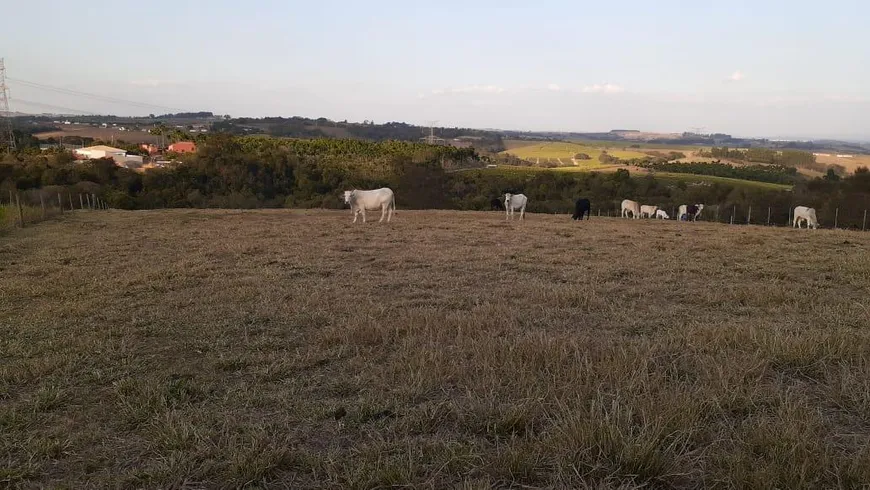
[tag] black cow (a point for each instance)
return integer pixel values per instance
(582, 207)
(691, 212)
(496, 204)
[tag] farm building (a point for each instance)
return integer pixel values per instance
(120, 156)
(101, 151)
(183, 147)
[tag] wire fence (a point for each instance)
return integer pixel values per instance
(22, 208)
(851, 218)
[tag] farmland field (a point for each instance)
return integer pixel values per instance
(597, 167)
(850, 164)
(277, 348)
(103, 134)
(554, 150)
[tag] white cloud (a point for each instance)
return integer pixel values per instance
(554, 87)
(607, 88)
(471, 89)
(736, 76)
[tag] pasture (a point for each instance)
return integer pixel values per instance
(277, 348)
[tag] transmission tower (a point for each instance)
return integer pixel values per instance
(7, 137)
(431, 138)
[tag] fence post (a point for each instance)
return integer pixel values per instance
(42, 203)
(836, 217)
(88, 200)
(11, 201)
(599, 212)
(768, 216)
(20, 211)
(749, 216)
(864, 223)
(789, 222)
(733, 212)
(70, 202)
(93, 201)
(81, 201)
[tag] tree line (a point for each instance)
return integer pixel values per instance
(775, 174)
(785, 157)
(251, 172)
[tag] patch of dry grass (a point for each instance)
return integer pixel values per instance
(289, 348)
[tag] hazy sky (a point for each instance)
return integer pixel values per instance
(752, 68)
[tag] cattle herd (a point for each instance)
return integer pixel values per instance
(385, 200)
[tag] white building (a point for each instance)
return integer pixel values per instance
(121, 158)
(102, 151)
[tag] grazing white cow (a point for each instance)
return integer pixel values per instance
(690, 211)
(362, 201)
(629, 206)
(648, 211)
(805, 214)
(513, 202)
(662, 214)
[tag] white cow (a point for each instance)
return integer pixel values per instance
(362, 201)
(691, 212)
(662, 214)
(648, 211)
(513, 202)
(808, 215)
(632, 207)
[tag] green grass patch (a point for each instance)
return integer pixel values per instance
(721, 180)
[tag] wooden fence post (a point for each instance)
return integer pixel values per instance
(20, 211)
(864, 223)
(70, 202)
(733, 212)
(768, 216)
(93, 201)
(42, 204)
(789, 222)
(88, 200)
(749, 216)
(836, 217)
(81, 201)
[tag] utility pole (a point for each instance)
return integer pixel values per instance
(6, 134)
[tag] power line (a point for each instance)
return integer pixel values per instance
(103, 98)
(50, 106)
(5, 123)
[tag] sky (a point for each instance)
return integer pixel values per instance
(780, 69)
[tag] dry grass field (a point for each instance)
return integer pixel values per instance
(563, 150)
(289, 349)
(850, 164)
(103, 134)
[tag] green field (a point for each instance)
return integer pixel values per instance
(722, 180)
(642, 144)
(688, 178)
(562, 150)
